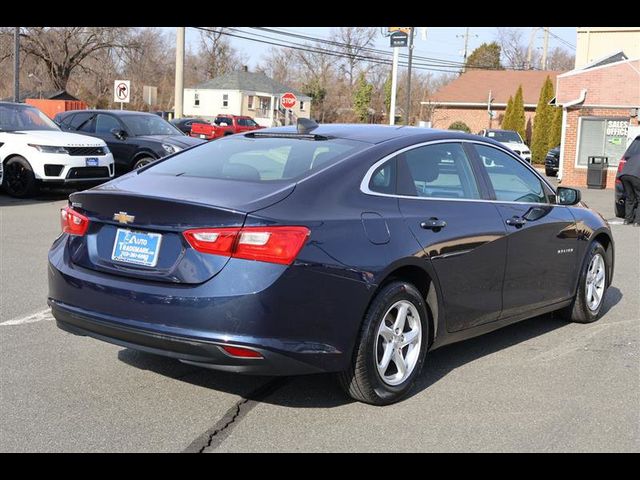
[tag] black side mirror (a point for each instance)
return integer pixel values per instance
(119, 134)
(567, 196)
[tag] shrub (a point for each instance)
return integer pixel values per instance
(460, 126)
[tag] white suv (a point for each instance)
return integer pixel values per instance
(33, 150)
(510, 139)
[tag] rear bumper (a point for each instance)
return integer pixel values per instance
(300, 319)
(202, 352)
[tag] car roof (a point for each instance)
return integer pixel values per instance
(17, 104)
(114, 112)
(371, 133)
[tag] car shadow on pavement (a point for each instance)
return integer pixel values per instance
(49, 195)
(323, 391)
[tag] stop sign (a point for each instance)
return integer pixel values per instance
(288, 100)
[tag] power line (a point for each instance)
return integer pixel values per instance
(444, 62)
(310, 49)
(382, 58)
(561, 40)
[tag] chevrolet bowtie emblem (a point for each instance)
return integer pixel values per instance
(122, 217)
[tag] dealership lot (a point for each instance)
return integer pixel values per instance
(541, 385)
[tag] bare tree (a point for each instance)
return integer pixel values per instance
(560, 60)
(63, 50)
(217, 54)
(355, 41)
(514, 48)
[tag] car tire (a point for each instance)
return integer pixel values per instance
(367, 379)
(594, 275)
(19, 180)
(141, 162)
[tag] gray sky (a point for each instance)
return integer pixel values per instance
(444, 43)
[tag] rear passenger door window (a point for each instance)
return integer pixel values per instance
(440, 170)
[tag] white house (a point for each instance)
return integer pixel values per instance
(245, 93)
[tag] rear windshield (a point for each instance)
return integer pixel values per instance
(257, 159)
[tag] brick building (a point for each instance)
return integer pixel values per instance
(600, 103)
(466, 98)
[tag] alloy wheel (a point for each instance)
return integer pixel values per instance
(398, 343)
(595, 282)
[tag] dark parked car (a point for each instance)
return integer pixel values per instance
(633, 149)
(552, 162)
(184, 124)
(334, 248)
(134, 138)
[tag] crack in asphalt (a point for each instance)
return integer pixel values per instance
(214, 436)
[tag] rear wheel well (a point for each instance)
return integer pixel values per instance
(604, 240)
(421, 280)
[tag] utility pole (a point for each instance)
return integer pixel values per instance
(408, 108)
(543, 65)
(466, 47)
(179, 83)
(530, 49)
(16, 64)
(394, 86)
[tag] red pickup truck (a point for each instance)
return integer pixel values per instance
(223, 125)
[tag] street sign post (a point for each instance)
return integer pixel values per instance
(288, 100)
(122, 91)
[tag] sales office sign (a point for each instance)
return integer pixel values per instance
(617, 128)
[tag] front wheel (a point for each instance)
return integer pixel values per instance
(19, 180)
(141, 162)
(592, 287)
(391, 348)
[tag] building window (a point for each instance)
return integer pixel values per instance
(250, 102)
(301, 105)
(196, 100)
(225, 100)
(602, 137)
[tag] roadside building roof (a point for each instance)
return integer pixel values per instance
(473, 86)
(248, 81)
(46, 95)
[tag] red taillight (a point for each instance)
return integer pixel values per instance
(72, 222)
(241, 352)
(218, 241)
(620, 167)
(266, 244)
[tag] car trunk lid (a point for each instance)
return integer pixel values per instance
(141, 235)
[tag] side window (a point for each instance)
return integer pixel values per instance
(79, 120)
(383, 179)
(511, 181)
(106, 123)
(440, 170)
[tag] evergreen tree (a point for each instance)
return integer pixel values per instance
(556, 129)
(518, 122)
(542, 124)
(362, 98)
(507, 122)
(486, 56)
(387, 94)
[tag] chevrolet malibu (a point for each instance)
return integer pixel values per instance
(335, 248)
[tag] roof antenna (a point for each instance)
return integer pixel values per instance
(306, 125)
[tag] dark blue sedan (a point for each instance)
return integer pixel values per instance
(333, 248)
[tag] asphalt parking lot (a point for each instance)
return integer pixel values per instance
(540, 385)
